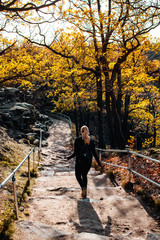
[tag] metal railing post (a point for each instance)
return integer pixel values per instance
(15, 195)
(29, 172)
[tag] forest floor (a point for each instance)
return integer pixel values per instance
(56, 209)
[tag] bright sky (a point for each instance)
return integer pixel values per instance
(156, 32)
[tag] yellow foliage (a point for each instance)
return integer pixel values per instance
(148, 142)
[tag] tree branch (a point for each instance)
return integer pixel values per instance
(15, 77)
(4, 50)
(26, 7)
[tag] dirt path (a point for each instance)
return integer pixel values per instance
(58, 212)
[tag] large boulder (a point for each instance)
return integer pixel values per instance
(21, 118)
(9, 94)
(23, 115)
(18, 115)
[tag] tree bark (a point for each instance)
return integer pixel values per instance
(125, 118)
(113, 108)
(100, 108)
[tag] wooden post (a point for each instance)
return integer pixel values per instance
(40, 145)
(100, 156)
(29, 173)
(15, 196)
(129, 166)
(33, 159)
(39, 155)
(40, 140)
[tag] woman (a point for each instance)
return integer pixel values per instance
(84, 149)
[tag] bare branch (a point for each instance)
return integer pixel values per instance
(4, 50)
(26, 7)
(16, 77)
(33, 23)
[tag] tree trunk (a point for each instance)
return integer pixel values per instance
(76, 105)
(118, 114)
(125, 118)
(154, 129)
(76, 121)
(110, 121)
(100, 109)
(113, 109)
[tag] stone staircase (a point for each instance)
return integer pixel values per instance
(57, 211)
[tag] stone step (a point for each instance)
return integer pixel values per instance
(36, 230)
(56, 209)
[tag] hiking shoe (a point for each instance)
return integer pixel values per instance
(84, 193)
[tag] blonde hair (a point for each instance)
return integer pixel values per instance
(85, 127)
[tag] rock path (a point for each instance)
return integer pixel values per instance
(56, 210)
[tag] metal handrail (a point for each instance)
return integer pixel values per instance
(129, 163)
(66, 118)
(15, 170)
(145, 177)
(63, 116)
(149, 158)
(128, 151)
(12, 175)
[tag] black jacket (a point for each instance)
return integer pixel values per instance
(80, 147)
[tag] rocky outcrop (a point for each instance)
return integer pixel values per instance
(22, 120)
(8, 94)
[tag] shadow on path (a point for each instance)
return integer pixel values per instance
(89, 220)
(150, 209)
(105, 180)
(113, 181)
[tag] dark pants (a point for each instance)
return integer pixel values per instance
(81, 172)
